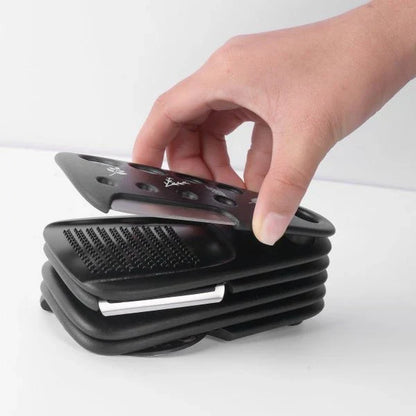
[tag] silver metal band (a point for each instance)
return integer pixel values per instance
(171, 302)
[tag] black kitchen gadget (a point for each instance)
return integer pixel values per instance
(186, 265)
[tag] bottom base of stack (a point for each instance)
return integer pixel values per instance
(226, 327)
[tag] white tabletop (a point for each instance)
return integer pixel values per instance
(355, 358)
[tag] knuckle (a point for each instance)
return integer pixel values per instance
(227, 56)
(323, 134)
(162, 107)
(237, 41)
(253, 175)
(321, 131)
(161, 101)
(290, 177)
(234, 48)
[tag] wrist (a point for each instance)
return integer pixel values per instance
(397, 22)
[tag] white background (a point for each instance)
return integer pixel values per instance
(83, 74)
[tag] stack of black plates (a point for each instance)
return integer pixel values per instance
(131, 285)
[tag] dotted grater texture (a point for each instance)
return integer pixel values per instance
(130, 249)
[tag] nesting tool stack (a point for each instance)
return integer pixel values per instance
(190, 267)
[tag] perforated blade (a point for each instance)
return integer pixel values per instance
(153, 192)
(183, 213)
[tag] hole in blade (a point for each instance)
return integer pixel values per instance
(102, 160)
(148, 169)
(305, 215)
(105, 181)
(146, 187)
(224, 200)
(189, 178)
(229, 188)
(189, 195)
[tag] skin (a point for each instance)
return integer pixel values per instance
(305, 88)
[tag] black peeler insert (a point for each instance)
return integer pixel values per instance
(185, 265)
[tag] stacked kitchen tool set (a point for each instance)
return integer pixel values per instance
(184, 266)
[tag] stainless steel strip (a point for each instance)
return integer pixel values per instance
(170, 302)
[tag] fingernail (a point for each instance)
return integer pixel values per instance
(273, 227)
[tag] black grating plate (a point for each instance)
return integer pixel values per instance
(138, 248)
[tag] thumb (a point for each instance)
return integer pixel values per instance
(293, 164)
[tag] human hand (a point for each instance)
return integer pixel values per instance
(305, 88)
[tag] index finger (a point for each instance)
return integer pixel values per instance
(183, 106)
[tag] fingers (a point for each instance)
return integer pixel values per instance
(184, 154)
(258, 157)
(203, 151)
(180, 107)
(294, 161)
(214, 147)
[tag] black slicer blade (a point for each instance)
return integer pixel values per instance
(149, 191)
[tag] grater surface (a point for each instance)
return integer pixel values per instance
(133, 248)
(136, 248)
